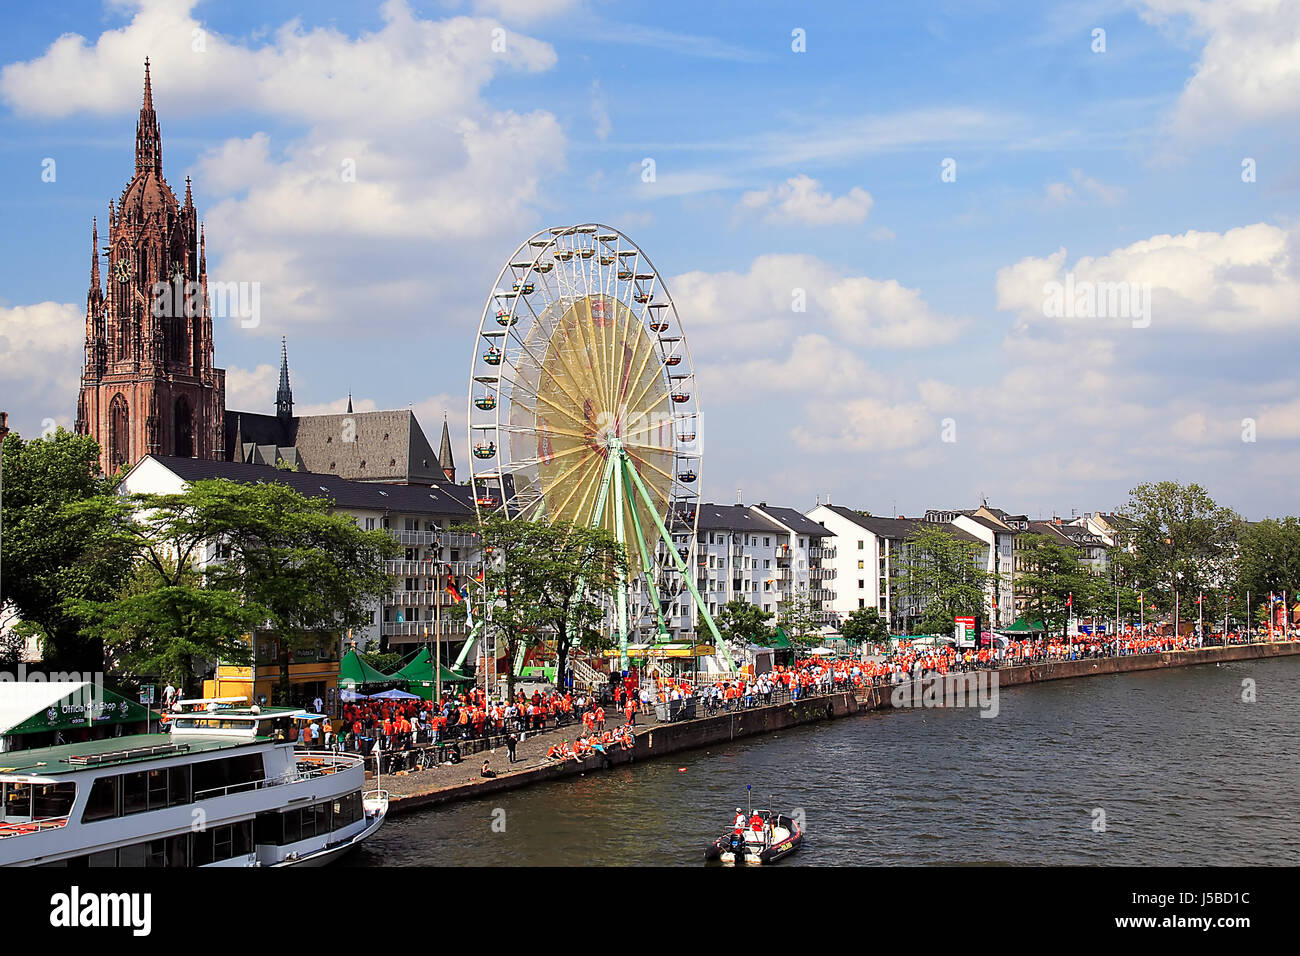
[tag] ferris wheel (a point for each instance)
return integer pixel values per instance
(583, 409)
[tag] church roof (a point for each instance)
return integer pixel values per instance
(362, 446)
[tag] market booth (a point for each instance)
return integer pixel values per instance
(49, 713)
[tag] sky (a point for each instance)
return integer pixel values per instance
(923, 178)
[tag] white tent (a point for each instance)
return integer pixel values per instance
(821, 652)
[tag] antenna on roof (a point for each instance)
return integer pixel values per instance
(739, 497)
(828, 497)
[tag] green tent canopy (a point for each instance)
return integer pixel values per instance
(1024, 627)
(418, 675)
(782, 640)
(353, 672)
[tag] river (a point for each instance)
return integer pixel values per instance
(1183, 770)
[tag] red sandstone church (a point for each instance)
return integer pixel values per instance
(149, 386)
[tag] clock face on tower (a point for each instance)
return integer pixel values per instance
(122, 270)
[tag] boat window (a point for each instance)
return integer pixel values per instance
(149, 853)
(135, 792)
(178, 850)
(102, 803)
(222, 843)
(102, 858)
(17, 801)
(158, 789)
(179, 786)
(292, 822)
(214, 778)
(347, 810)
(53, 800)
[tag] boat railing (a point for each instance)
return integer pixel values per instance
(31, 826)
(308, 765)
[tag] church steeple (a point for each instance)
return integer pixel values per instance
(445, 461)
(148, 140)
(95, 288)
(284, 397)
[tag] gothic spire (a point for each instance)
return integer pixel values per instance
(349, 403)
(148, 140)
(189, 195)
(445, 461)
(94, 255)
(284, 397)
(203, 252)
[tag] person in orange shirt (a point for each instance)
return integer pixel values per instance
(600, 717)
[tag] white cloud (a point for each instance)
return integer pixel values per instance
(801, 200)
(525, 11)
(41, 350)
(252, 390)
(397, 149)
(869, 424)
(756, 310)
(1241, 280)
(1249, 70)
(1059, 194)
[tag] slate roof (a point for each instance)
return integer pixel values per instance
(453, 501)
(796, 521)
(742, 518)
(384, 446)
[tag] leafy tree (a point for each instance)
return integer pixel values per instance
(866, 625)
(1183, 541)
(1050, 574)
(169, 625)
(309, 569)
(547, 582)
(1268, 559)
(386, 662)
(942, 575)
(55, 552)
(745, 623)
(798, 614)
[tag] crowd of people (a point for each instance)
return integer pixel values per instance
(466, 715)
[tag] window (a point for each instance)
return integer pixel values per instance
(52, 800)
(862, 602)
(102, 803)
(859, 565)
(861, 545)
(135, 792)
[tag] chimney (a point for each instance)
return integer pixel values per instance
(739, 498)
(4, 425)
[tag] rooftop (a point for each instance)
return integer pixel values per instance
(113, 751)
(443, 499)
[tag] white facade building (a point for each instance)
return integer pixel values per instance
(419, 517)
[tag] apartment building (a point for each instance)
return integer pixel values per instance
(419, 517)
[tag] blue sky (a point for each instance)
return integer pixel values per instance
(775, 170)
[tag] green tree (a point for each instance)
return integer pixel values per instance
(942, 575)
(310, 569)
(54, 551)
(745, 623)
(168, 625)
(547, 582)
(1051, 574)
(1183, 542)
(798, 614)
(866, 625)
(1268, 559)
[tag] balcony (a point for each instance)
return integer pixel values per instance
(430, 567)
(443, 539)
(821, 574)
(421, 628)
(821, 554)
(821, 594)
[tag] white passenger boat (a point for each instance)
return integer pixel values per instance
(224, 787)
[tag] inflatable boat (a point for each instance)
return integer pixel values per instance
(779, 838)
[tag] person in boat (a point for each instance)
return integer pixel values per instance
(739, 822)
(757, 824)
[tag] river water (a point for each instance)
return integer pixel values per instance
(1183, 770)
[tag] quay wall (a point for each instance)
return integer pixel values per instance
(662, 740)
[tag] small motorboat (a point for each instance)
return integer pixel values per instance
(779, 837)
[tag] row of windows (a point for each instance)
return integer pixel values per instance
(27, 801)
(186, 849)
(303, 823)
(142, 790)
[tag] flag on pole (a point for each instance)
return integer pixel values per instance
(450, 586)
(1069, 601)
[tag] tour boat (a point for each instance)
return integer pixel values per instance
(224, 786)
(779, 838)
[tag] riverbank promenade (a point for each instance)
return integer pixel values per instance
(840, 698)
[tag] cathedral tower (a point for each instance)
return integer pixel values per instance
(148, 385)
